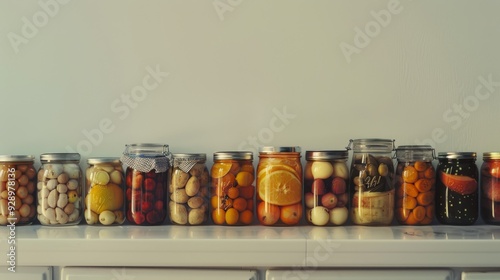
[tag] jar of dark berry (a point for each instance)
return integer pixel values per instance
(490, 188)
(146, 179)
(456, 188)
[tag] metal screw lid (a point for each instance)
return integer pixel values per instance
(457, 155)
(327, 155)
(242, 155)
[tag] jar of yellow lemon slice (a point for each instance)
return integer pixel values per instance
(104, 192)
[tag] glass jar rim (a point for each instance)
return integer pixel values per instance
(457, 155)
(194, 156)
(491, 155)
(415, 152)
(17, 158)
(327, 155)
(146, 150)
(371, 145)
(242, 155)
(279, 149)
(60, 156)
(97, 160)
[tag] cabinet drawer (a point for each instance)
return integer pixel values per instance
(116, 273)
(490, 275)
(27, 273)
(372, 274)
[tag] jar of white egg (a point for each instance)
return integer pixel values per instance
(59, 189)
(104, 192)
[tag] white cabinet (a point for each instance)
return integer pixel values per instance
(487, 275)
(26, 273)
(383, 274)
(120, 273)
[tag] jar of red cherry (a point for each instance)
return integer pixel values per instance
(146, 181)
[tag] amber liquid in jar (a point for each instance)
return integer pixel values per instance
(457, 189)
(490, 188)
(279, 186)
(415, 185)
(232, 196)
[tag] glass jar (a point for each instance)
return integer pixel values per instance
(60, 189)
(17, 190)
(188, 190)
(372, 182)
(104, 192)
(325, 187)
(146, 181)
(415, 185)
(279, 186)
(232, 193)
(456, 188)
(490, 188)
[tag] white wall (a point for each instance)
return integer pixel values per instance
(229, 70)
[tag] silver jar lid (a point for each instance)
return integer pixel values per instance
(457, 155)
(415, 152)
(241, 155)
(491, 155)
(198, 157)
(17, 158)
(327, 155)
(60, 156)
(98, 160)
(278, 149)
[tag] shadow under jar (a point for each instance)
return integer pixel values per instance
(146, 180)
(490, 188)
(457, 195)
(372, 182)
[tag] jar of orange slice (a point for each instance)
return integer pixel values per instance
(232, 188)
(415, 185)
(279, 186)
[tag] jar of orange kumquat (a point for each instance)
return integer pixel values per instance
(232, 193)
(279, 186)
(415, 185)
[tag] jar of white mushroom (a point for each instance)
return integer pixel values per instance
(59, 189)
(17, 190)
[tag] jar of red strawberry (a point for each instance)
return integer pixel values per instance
(146, 180)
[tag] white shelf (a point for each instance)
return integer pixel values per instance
(257, 246)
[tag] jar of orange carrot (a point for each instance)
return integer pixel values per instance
(415, 185)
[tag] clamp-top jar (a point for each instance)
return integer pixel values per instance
(279, 186)
(60, 189)
(415, 185)
(372, 182)
(104, 192)
(17, 190)
(232, 195)
(490, 188)
(457, 189)
(146, 179)
(325, 187)
(188, 190)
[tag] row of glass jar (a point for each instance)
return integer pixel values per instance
(191, 195)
